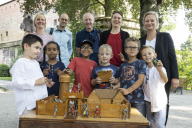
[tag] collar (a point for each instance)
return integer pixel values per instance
(91, 31)
(60, 30)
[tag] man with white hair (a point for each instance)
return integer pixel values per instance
(89, 33)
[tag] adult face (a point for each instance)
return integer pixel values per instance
(40, 21)
(88, 21)
(116, 20)
(63, 20)
(150, 22)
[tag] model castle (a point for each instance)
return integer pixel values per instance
(103, 103)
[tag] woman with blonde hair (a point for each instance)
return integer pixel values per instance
(40, 25)
(164, 47)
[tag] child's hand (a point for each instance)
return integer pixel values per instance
(98, 80)
(122, 57)
(40, 81)
(45, 72)
(124, 91)
(159, 66)
(112, 80)
(59, 72)
(50, 83)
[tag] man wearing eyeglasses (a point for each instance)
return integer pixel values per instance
(89, 33)
(63, 37)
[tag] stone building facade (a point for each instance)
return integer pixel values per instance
(10, 33)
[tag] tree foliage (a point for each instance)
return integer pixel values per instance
(184, 59)
(187, 44)
(75, 8)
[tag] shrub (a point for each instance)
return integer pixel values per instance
(4, 70)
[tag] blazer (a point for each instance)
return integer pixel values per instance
(166, 53)
(105, 36)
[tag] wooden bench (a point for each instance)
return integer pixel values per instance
(182, 84)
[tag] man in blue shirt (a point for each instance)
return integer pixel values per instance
(89, 33)
(63, 37)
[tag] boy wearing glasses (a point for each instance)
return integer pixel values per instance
(154, 89)
(83, 67)
(132, 75)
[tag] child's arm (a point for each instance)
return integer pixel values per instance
(163, 76)
(96, 81)
(136, 85)
(46, 72)
(42, 80)
(69, 71)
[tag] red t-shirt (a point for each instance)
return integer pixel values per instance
(83, 70)
(115, 42)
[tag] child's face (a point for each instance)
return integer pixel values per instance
(105, 55)
(86, 50)
(147, 55)
(52, 51)
(132, 49)
(31, 52)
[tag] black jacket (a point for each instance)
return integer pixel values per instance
(166, 53)
(105, 36)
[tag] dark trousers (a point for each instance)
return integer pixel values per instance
(167, 89)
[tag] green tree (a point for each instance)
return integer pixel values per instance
(187, 44)
(184, 64)
(75, 8)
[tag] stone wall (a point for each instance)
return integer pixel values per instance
(9, 51)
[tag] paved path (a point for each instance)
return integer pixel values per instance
(180, 115)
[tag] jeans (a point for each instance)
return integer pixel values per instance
(156, 119)
(140, 107)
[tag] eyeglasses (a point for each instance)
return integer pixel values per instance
(64, 19)
(88, 47)
(132, 48)
(92, 39)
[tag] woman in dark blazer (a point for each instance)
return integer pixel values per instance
(164, 47)
(115, 37)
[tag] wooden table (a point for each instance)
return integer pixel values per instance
(31, 120)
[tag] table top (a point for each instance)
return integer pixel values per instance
(136, 117)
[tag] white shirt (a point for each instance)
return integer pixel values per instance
(154, 89)
(151, 43)
(24, 74)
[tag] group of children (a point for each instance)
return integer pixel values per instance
(139, 81)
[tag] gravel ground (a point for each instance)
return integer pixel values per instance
(180, 114)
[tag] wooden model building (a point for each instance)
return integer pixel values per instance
(107, 103)
(105, 75)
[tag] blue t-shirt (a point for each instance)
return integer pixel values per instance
(128, 73)
(111, 67)
(91, 36)
(53, 75)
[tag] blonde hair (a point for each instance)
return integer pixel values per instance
(145, 46)
(134, 39)
(108, 47)
(37, 15)
(152, 13)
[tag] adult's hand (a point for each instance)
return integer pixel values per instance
(175, 82)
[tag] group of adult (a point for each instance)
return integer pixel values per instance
(115, 37)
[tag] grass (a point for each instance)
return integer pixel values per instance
(6, 78)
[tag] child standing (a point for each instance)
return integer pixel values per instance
(27, 78)
(52, 68)
(83, 67)
(132, 75)
(105, 54)
(154, 89)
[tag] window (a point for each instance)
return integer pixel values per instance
(55, 22)
(6, 33)
(1, 37)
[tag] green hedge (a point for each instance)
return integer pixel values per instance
(4, 70)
